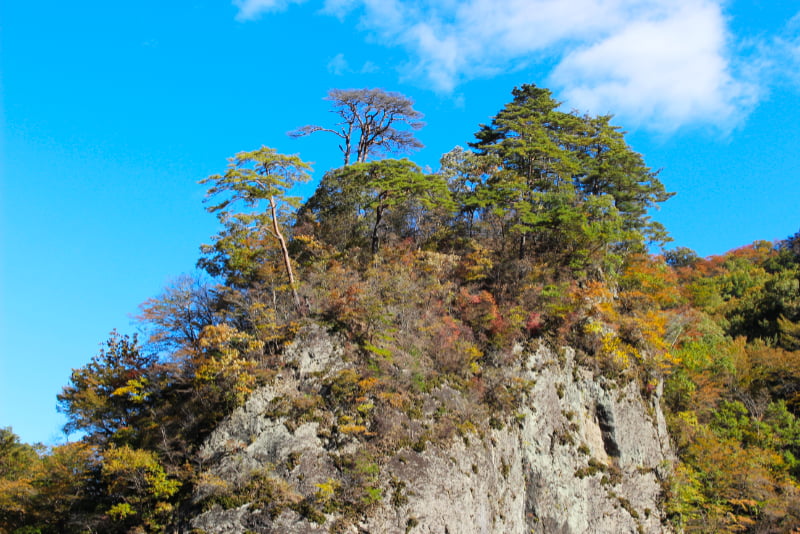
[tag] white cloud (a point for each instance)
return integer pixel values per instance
(252, 9)
(340, 8)
(369, 67)
(663, 63)
(785, 53)
(667, 71)
(338, 65)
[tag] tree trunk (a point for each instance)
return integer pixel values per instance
(378, 217)
(286, 261)
(346, 152)
(348, 144)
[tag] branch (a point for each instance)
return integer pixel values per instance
(308, 130)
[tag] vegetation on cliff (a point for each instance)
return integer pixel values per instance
(539, 232)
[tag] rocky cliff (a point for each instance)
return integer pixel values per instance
(583, 454)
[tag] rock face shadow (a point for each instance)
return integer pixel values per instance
(605, 419)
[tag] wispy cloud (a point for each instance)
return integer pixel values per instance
(252, 9)
(662, 63)
(338, 65)
(369, 68)
(785, 52)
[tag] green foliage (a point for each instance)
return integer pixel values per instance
(768, 309)
(15, 457)
(244, 253)
(253, 177)
(18, 462)
(465, 172)
(566, 185)
(680, 257)
(434, 282)
(109, 398)
(366, 200)
(256, 176)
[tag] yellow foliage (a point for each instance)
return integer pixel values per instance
(136, 480)
(365, 408)
(619, 352)
(226, 337)
(466, 427)
(225, 364)
(134, 389)
(125, 468)
(352, 429)
(209, 483)
(395, 400)
(475, 368)
(309, 243)
(327, 490)
(14, 494)
(367, 384)
(476, 265)
(120, 511)
(593, 327)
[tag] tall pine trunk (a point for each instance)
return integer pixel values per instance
(286, 261)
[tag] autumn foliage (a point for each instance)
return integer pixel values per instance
(435, 281)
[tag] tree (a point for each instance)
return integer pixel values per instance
(138, 489)
(529, 137)
(337, 212)
(372, 191)
(531, 187)
(176, 318)
(110, 397)
(18, 464)
(371, 118)
(262, 174)
(568, 181)
(680, 257)
(464, 172)
(243, 253)
(792, 244)
(610, 167)
(767, 306)
(47, 491)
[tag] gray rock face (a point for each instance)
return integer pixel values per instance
(593, 452)
(584, 455)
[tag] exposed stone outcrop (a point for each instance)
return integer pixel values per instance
(583, 455)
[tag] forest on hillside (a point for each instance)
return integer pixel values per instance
(538, 232)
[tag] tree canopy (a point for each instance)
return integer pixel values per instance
(368, 193)
(261, 175)
(563, 177)
(373, 122)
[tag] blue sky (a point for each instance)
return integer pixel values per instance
(112, 111)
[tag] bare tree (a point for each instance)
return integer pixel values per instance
(371, 123)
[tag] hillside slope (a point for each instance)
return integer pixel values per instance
(485, 348)
(581, 455)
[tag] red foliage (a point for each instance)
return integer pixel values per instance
(480, 311)
(534, 323)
